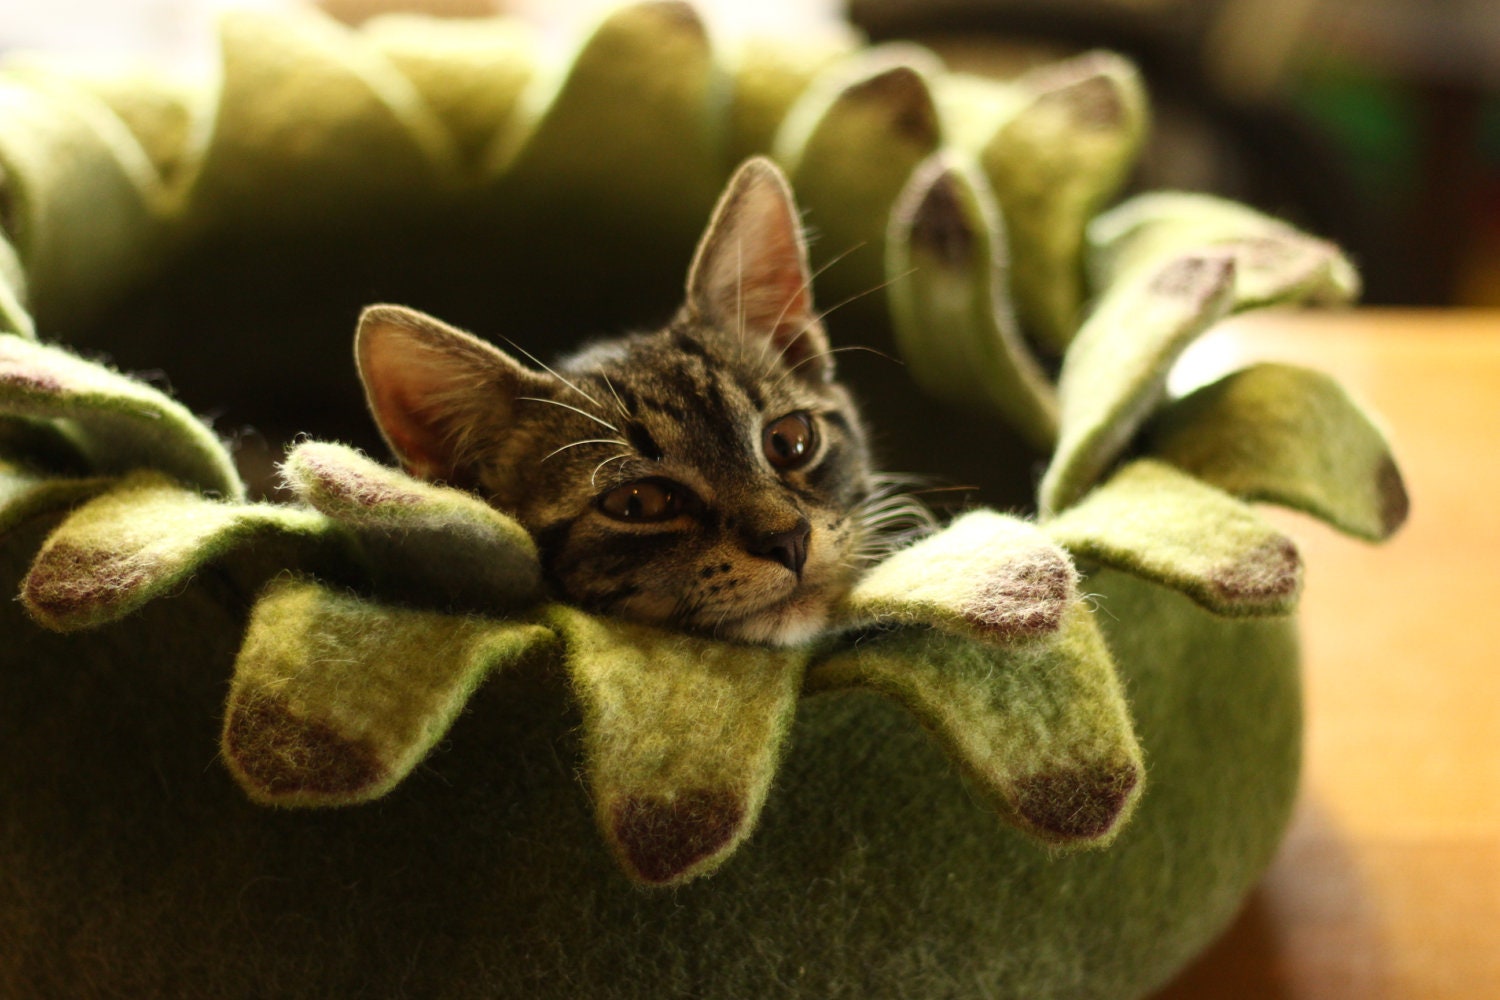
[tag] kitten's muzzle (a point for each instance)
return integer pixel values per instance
(787, 547)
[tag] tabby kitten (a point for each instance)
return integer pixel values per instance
(710, 476)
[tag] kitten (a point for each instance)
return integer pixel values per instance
(710, 476)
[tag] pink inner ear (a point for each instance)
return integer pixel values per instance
(404, 385)
(415, 442)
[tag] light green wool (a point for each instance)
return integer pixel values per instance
(635, 88)
(471, 73)
(334, 701)
(139, 540)
(1290, 436)
(13, 315)
(682, 738)
(1053, 164)
(25, 494)
(1167, 277)
(1041, 723)
(851, 142)
(439, 546)
(950, 300)
(985, 576)
(1161, 524)
(117, 422)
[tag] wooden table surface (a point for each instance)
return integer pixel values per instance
(1388, 885)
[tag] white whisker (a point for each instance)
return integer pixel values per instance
(549, 370)
(567, 406)
(575, 444)
(793, 298)
(594, 476)
(888, 521)
(619, 403)
(831, 351)
(820, 317)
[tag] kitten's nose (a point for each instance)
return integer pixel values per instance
(786, 547)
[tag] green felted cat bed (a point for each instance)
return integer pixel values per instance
(344, 743)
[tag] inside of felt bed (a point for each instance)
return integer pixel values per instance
(254, 331)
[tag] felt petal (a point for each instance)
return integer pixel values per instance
(1276, 262)
(335, 699)
(78, 196)
(1052, 164)
(25, 494)
(645, 82)
(118, 423)
(1170, 266)
(13, 315)
(168, 118)
(139, 541)
(310, 121)
(1290, 436)
(1159, 523)
(850, 145)
(949, 304)
(1116, 370)
(986, 575)
(769, 75)
(1042, 726)
(470, 72)
(433, 545)
(682, 736)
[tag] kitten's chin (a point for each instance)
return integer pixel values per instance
(791, 624)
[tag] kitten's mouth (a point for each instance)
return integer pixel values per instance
(787, 621)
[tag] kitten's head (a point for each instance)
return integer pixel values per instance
(706, 476)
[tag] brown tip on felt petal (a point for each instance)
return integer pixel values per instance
(20, 372)
(1094, 103)
(356, 487)
(1028, 598)
(1193, 277)
(902, 90)
(1269, 571)
(69, 579)
(663, 838)
(679, 15)
(1076, 803)
(21, 380)
(940, 227)
(285, 755)
(1395, 505)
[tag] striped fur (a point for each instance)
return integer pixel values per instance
(688, 405)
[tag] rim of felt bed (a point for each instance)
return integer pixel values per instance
(985, 264)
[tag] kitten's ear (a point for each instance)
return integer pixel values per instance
(438, 394)
(750, 273)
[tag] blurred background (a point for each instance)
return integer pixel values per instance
(1375, 123)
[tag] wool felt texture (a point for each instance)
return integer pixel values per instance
(1170, 265)
(118, 423)
(874, 815)
(1290, 436)
(682, 736)
(429, 544)
(1053, 164)
(876, 870)
(331, 705)
(986, 576)
(1166, 526)
(951, 313)
(23, 495)
(1041, 723)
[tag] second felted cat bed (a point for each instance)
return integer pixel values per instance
(999, 778)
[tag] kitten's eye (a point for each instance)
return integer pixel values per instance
(644, 500)
(789, 441)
